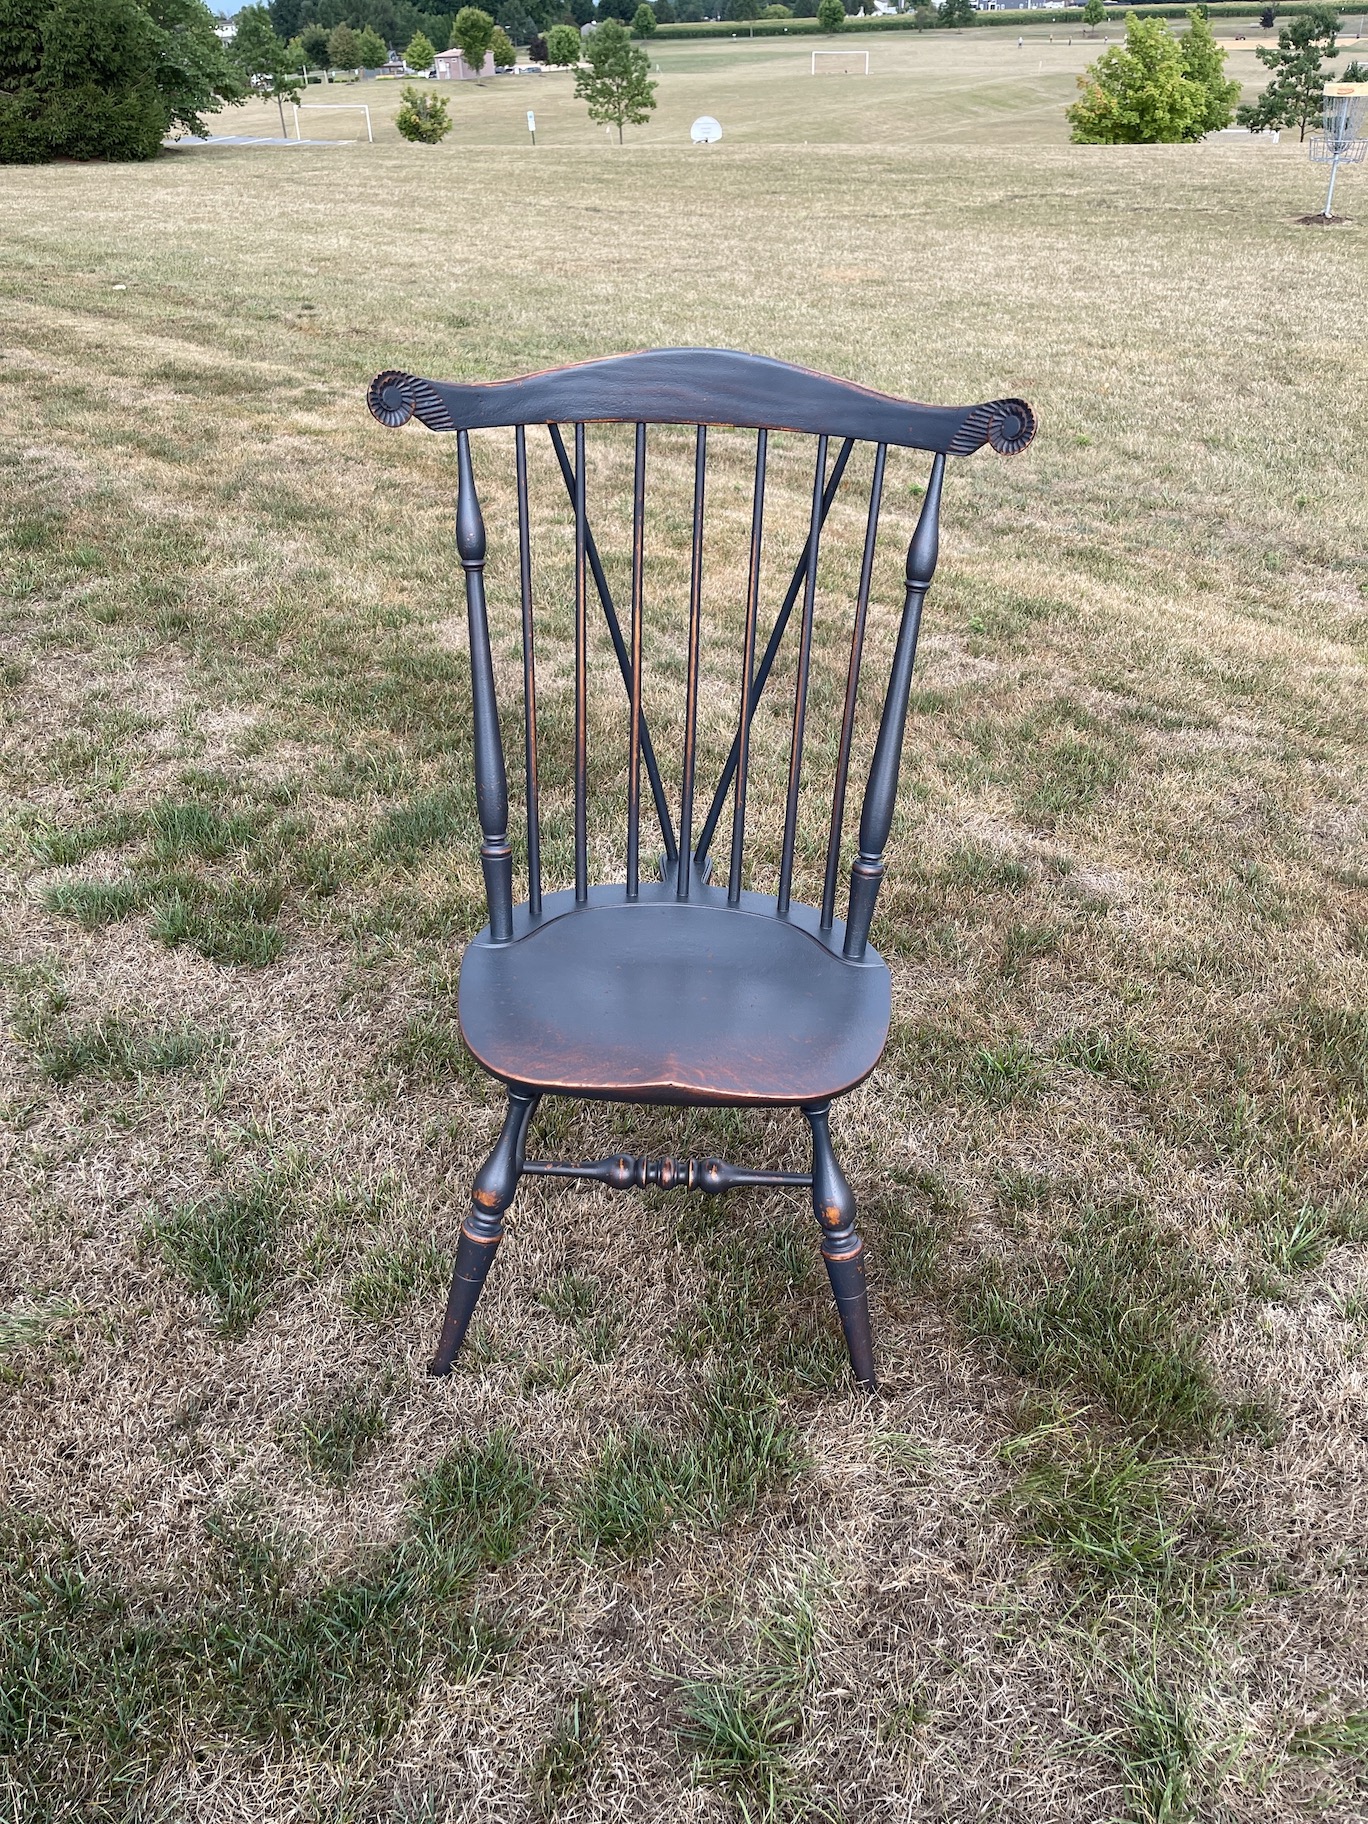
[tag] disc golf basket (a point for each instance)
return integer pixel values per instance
(1343, 139)
(679, 990)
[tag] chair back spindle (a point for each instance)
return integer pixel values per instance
(838, 796)
(534, 879)
(634, 727)
(686, 790)
(800, 687)
(738, 841)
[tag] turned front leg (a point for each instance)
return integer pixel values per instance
(833, 1204)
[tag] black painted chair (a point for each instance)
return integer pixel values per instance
(676, 991)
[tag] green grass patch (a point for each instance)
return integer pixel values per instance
(119, 1047)
(1346, 1734)
(1121, 1056)
(58, 846)
(102, 1684)
(740, 1740)
(1110, 1310)
(564, 1759)
(392, 1274)
(1100, 1508)
(335, 1440)
(226, 1247)
(430, 820)
(646, 1483)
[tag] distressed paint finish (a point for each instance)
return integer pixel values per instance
(679, 992)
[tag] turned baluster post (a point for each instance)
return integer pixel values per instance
(491, 779)
(881, 791)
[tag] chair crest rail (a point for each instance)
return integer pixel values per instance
(702, 386)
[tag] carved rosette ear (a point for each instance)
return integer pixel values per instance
(389, 399)
(1011, 426)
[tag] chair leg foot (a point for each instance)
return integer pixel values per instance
(833, 1204)
(496, 1183)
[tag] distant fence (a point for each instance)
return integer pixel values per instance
(904, 22)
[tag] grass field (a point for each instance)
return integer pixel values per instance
(1097, 1551)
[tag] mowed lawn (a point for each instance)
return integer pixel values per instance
(1097, 1550)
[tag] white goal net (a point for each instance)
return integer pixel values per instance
(840, 63)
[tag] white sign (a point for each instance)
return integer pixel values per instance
(705, 131)
(531, 121)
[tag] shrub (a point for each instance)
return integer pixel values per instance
(831, 16)
(423, 119)
(563, 45)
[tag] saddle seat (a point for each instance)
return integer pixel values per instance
(676, 1001)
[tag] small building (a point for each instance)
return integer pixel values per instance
(452, 66)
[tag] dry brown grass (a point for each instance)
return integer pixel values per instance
(1097, 1551)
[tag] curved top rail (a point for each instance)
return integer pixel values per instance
(703, 386)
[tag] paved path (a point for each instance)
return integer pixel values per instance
(242, 139)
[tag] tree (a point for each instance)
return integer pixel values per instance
(1204, 66)
(745, 12)
(344, 48)
(536, 50)
(419, 53)
(644, 21)
(422, 118)
(105, 78)
(1137, 93)
(501, 49)
(664, 12)
(371, 52)
(1094, 13)
(1293, 97)
(563, 45)
(472, 31)
(194, 74)
(831, 16)
(314, 41)
(1268, 19)
(955, 14)
(260, 56)
(615, 78)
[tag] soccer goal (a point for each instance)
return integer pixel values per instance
(840, 63)
(332, 107)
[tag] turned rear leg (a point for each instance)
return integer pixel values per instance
(495, 1185)
(833, 1204)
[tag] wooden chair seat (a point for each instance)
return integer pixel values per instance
(667, 1001)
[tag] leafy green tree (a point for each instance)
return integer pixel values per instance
(260, 56)
(644, 21)
(314, 40)
(472, 32)
(1137, 93)
(423, 118)
(419, 52)
(1293, 97)
(745, 12)
(194, 74)
(76, 81)
(371, 49)
(1204, 66)
(344, 48)
(1354, 72)
(624, 11)
(563, 45)
(615, 78)
(1094, 13)
(664, 12)
(1267, 19)
(955, 14)
(776, 12)
(831, 16)
(501, 48)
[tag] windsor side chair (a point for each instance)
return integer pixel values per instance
(674, 990)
